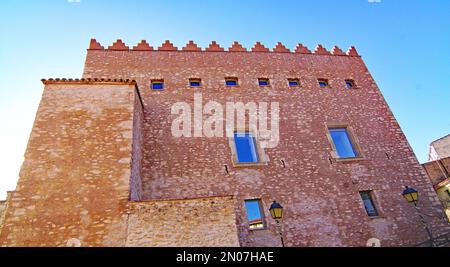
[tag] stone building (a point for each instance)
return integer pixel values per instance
(103, 166)
(439, 149)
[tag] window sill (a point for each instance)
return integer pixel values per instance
(257, 229)
(377, 217)
(245, 165)
(349, 159)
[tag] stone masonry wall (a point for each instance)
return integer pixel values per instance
(136, 163)
(320, 194)
(209, 222)
(2, 211)
(74, 183)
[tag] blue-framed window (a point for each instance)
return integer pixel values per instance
(195, 82)
(369, 204)
(263, 82)
(350, 84)
(323, 83)
(255, 216)
(294, 82)
(231, 81)
(246, 149)
(343, 143)
(157, 85)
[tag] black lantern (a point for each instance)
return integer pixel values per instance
(411, 195)
(276, 210)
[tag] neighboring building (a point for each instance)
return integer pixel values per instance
(439, 173)
(439, 149)
(438, 170)
(104, 165)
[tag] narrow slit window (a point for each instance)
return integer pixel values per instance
(263, 82)
(254, 214)
(157, 84)
(349, 84)
(294, 82)
(231, 81)
(369, 204)
(343, 143)
(245, 148)
(323, 83)
(195, 82)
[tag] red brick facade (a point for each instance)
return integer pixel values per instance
(320, 193)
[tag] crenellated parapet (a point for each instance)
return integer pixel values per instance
(88, 81)
(119, 45)
(143, 46)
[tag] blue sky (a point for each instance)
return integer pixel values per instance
(405, 44)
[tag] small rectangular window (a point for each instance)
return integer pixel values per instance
(263, 82)
(323, 83)
(245, 148)
(350, 84)
(294, 82)
(231, 81)
(343, 143)
(195, 82)
(254, 214)
(369, 204)
(157, 84)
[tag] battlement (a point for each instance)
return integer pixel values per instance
(88, 81)
(119, 45)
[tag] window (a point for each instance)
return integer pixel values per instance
(157, 84)
(342, 143)
(231, 81)
(254, 214)
(245, 148)
(366, 197)
(323, 83)
(263, 82)
(294, 82)
(350, 84)
(195, 82)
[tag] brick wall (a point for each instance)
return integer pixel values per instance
(75, 180)
(188, 223)
(321, 199)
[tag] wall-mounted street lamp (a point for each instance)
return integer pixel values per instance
(276, 211)
(412, 196)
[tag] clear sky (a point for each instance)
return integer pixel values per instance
(405, 44)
